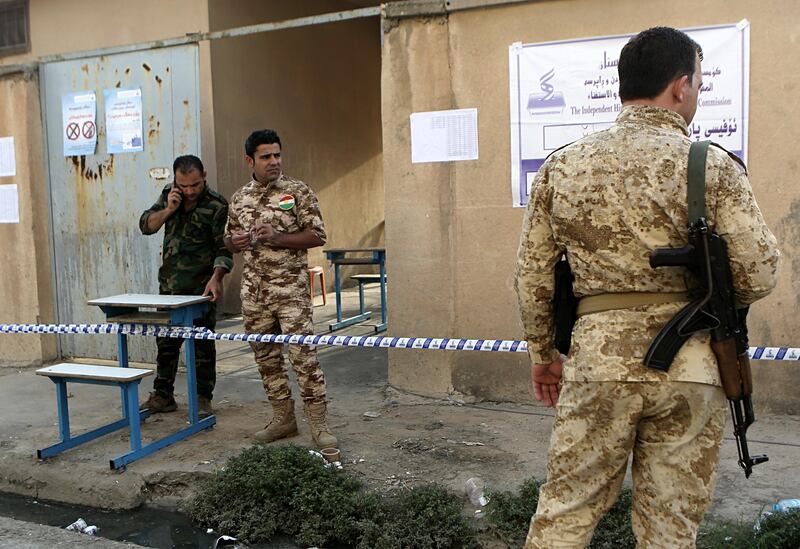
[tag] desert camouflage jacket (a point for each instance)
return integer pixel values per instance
(606, 202)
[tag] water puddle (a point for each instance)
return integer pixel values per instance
(155, 528)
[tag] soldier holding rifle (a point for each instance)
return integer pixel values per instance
(607, 202)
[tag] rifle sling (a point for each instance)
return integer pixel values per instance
(627, 300)
(696, 186)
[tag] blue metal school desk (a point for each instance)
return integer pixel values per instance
(367, 256)
(168, 311)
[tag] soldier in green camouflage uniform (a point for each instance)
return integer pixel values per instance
(194, 260)
(273, 220)
(606, 202)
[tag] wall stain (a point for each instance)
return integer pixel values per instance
(158, 80)
(788, 233)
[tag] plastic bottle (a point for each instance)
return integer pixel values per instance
(77, 526)
(474, 488)
(786, 505)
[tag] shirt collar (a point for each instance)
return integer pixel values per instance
(653, 116)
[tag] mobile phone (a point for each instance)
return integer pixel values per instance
(180, 192)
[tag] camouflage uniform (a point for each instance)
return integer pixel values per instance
(275, 293)
(607, 201)
(192, 249)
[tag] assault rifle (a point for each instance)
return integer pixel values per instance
(714, 309)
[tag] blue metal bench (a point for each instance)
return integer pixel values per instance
(127, 379)
(362, 280)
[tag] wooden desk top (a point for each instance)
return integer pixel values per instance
(149, 300)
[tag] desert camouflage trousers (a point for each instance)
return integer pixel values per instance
(290, 313)
(674, 431)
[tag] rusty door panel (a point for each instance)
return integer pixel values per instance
(96, 200)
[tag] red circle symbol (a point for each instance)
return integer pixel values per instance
(88, 129)
(73, 131)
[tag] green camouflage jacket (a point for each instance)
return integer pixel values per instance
(193, 245)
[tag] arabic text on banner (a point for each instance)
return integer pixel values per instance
(123, 120)
(79, 123)
(563, 91)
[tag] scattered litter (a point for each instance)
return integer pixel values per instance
(359, 460)
(228, 541)
(327, 464)
(209, 530)
(464, 442)
(372, 415)
(785, 505)
(474, 488)
(207, 462)
(77, 526)
(81, 527)
(394, 403)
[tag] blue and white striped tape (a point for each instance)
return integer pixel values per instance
(431, 343)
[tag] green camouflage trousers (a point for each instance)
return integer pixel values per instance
(674, 431)
(291, 314)
(169, 351)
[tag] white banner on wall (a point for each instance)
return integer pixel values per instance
(563, 91)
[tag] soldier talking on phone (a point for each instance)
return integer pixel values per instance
(193, 261)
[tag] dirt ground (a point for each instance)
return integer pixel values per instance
(389, 438)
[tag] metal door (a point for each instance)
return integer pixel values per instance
(96, 200)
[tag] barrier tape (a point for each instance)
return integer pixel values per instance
(439, 344)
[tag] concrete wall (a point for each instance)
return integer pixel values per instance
(451, 231)
(319, 88)
(26, 284)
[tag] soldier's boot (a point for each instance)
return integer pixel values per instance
(316, 412)
(283, 423)
(158, 403)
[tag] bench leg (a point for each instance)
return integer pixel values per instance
(360, 297)
(131, 391)
(63, 409)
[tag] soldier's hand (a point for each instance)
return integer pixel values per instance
(174, 198)
(264, 233)
(547, 381)
(240, 241)
(214, 289)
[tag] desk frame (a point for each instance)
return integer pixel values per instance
(338, 257)
(176, 317)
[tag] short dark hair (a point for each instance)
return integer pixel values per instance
(260, 137)
(654, 58)
(186, 164)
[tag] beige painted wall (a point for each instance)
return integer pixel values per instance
(26, 286)
(319, 88)
(451, 231)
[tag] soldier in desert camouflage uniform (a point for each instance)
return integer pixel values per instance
(273, 221)
(606, 202)
(194, 260)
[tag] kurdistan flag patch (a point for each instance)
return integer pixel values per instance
(286, 202)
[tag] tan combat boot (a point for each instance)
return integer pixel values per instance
(282, 424)
(316, 413)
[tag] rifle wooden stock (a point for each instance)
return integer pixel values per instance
(734, 369)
